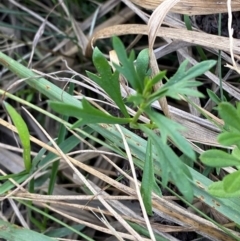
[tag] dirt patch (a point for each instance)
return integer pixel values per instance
(209, 24)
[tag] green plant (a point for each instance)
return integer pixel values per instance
(137, 73)
(24, 137)
(230, 136)
(113, 141)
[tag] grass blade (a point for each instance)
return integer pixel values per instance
(23, 134)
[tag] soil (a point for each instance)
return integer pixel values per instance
(209, 24)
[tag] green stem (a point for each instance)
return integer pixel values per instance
(137, 115)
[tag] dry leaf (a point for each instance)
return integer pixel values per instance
(192, 7)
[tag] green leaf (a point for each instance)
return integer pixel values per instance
(127, 68)
(157, 95)
(229, 208)
(238, 108)
(23, 134)
(151, 82)
(169, 128)
(156, 188)
(171, 165)
(136, 99)
(218, 158)
(87, 113)
(55, 220)
(14, 175)
(229, 138)
(181, 83)
(174, 89)
(183, 88)
(199, 69)
(182, 75)
(236, 153)
(107, 80)
(213, 97)
(216, 189)
(12, 232)
(165, 168)
(179, 75)
(63, 232)
(142, 65)
(231, 182)
(148, 180)
(230, 115)
(8, 185)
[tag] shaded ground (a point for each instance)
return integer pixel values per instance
(209, 24)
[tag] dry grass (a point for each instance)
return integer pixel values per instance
(86, 191)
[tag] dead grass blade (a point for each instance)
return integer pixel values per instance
(88, 185)
(156, 19)
(120, 18)
(183, 217)
(137, 188)
(161, 206)
(154, 23)
(90, 224)
(192, 7)
(73, 163)
(193, 37)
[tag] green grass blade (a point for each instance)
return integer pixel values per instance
(62, 232)
(143, 231)
(11, 232)
(171, 165)
(6, 186)
(228, 207)
(23, 134)
(60, 139)
(55, 220)
(148, 179)
(41, 84)
(55, 165)
(169, 128)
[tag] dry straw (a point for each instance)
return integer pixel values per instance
(192, 7)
